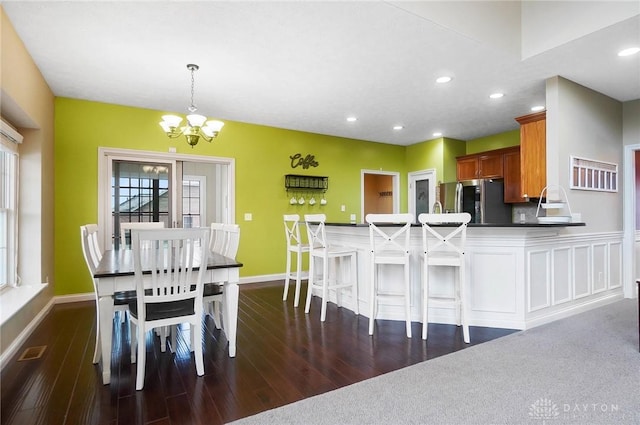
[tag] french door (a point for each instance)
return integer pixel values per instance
(175, 189)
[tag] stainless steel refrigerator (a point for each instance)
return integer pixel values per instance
(482, 198)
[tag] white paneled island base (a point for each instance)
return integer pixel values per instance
(518, 276)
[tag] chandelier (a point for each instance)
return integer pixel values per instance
(196, 126)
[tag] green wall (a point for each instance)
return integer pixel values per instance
(496, 141)
(262, 159)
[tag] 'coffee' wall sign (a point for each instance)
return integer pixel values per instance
(298, 161)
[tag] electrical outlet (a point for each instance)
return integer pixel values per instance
(352, 217)
(248, 216)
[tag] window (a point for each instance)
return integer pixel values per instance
(8, 216)
(193, 201)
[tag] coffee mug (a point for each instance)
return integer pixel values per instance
(323, 201)
(301, 200)
(312, 201)
(293, 200)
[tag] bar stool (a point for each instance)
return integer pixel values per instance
(294, 245)
(320, 249)
(447, 251)
(389, 245)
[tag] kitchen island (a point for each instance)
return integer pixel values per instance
(519, 275)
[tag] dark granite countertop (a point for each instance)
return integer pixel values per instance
(480, 225)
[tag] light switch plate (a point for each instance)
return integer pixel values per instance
(248, 216)
(343, 208)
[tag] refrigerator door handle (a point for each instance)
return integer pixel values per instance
(458, 203)
(482, 201)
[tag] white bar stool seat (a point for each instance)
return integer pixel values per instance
(444, 251)
(389, 245)
(294, 245)
(326, 277)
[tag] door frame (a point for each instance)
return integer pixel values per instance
(106, 156)
(629, 268)
(395, 181)
(412, 177)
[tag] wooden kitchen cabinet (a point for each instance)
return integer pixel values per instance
(533, 154)
(512, 176)
(485, 165)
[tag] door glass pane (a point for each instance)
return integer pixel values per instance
(142, 191)
(422, 197)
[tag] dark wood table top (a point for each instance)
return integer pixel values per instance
(120, 263)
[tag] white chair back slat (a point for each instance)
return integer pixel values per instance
(315, 231)
(232, 240)
(451, 243)
(389, 241)
(218, 238)
(292, 230)
(128, 227)
(172, 258)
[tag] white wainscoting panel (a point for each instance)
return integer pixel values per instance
(599, 267)
(582, 274)
(538, 282)
(615, 265)
(562, 269)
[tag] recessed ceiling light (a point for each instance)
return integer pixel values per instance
(437, 134)
(398, 127)
(352, 119)
(496, 95)
(537, 108)
(628, 52)
(443, 79)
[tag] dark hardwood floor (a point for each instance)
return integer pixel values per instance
(283, 356)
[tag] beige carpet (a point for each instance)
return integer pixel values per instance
(581, 370)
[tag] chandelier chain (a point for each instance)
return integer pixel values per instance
(193, 107)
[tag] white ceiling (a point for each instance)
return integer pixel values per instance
(308, 65)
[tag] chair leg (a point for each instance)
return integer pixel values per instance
(287, 274)
(310, 285)
(97, 352)
(353, 268)
(217, 318)
(134, 341)
(463, 304)
(141, 357)
(296, 299)
(407, 298)
(325, 289)
(163, 339)
(372, 297)
(196, 346)
(425, 300)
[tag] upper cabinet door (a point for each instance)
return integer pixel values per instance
(467, 168)
(490, 166)
(533, 154)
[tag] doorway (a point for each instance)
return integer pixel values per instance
(177, 189)
(379, 193)
(422, 191)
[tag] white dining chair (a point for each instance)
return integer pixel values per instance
(172, 293)
(297, 247)
(218, 238)
(126, 228)
(444, 248)
(328, 276)
(213, 291)
(92, 255)
(389, 244)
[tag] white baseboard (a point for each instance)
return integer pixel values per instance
(262, 278)
(26, 332)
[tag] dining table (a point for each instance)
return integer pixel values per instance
(115, 273)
